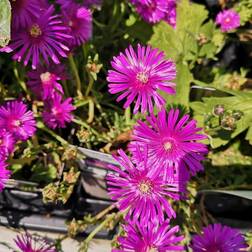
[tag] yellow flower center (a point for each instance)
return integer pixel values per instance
(142, 77)
(45, 77)
(35, 31)
(16, 123)
(167, 145)
(227, 20)
(152, 249)
(145, 187)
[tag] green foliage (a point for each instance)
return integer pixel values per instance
(239, 101)
(244, 8)
(191, 41)
(61, 192)
(5, 22)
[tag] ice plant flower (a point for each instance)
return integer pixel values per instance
(24, 11)
(151, 11)
(57, 112)
(141, 190)
(45, 37)
(27, 243)
(4, 174)
(44, 81)
(228, 20)
(218, 238)
(171, 142)
(6, 143)
(17, 120)
(139, 75)
(170, 16)
(150, 237)
(79, 20)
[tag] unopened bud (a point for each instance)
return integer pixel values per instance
(70, 153)
(83, 135)
(237, 114)
(218, 110)
(228, 122)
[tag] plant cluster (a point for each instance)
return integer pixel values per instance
(156, 83)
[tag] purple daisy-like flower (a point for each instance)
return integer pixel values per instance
(139, 75)
(43, 81)
(57, 112)
(151, 11)
(141, 190)
(4, 174)
(171, 14)
(79, 21)
(7, 143)
(17, 120)
(27, 243)
(150, 237)
(218, 238)
(171, 142)
(25, 11)
(44, 37)
(228, 20)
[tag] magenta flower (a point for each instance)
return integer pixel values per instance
(228, 20)
(6, 143)
(79, 20)
(43, 81)
(25, 11)
(170, 16)
(140, 75)
(58, 113)
(141, 190)
(171, 142)
(44, 37)
(27, 243)
(151, 11)
(151, 237)
(4, 174)
(17, 120)
(218, 238)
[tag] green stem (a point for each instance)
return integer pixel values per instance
(41, 126)
(84, 246)
(90, 84)
(21, 83)
(22, 161)
(104, 212)
(84, 101)
(127, 114)
(76, 74)
(80, 122)
(90, 111)
(64, 83)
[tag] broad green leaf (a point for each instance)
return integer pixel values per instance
(140, 30)
(183, 81)
(181, 42)
(5, 22)
(165, 38)
(242, 103)
(249, 134)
